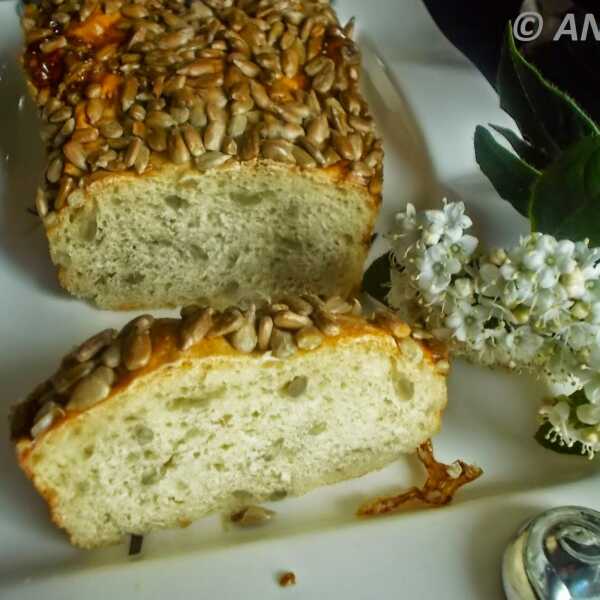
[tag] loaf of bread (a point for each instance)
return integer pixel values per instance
(201, 151)
(172, 419)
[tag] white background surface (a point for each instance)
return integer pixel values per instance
(427, 105)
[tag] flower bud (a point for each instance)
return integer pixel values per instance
(497, 257)
(580, 311)
(463, 287)
(574, 283)
(521, 314)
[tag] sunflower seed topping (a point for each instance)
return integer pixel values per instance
(233, 80)
(89, 373)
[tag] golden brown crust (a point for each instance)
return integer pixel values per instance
(134, 88)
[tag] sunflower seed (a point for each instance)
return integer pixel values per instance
(213, 135)
(42, 97)
(260, 96)
(159, 119)
(331, 157)
(195, 327)
(229, 146)
(53, 44)
(41, 203)
(287, 39)
(93, 345)
(227, 322)
(111, 356)
(316, 65)
(94, 109)
(137, 349)
(46, 416)
(111, 129)
(312, 149)
(192, 140)
(245, 338)
(67, 376)
(75, 153)
(282, 343)
(265, 327)
(356, 142)
(318, 130)
(303, 158)
(324, 80)
(198, 115)
(157, 140)
(275, 32)
(251, 516)
(54, 170)
(132, 152)
(314, 47)
(249, 146)
(175, 39)
(296, 387)
(348, 28)
(395, 326)
(278, 150)
(180, 114)
(68, 127)
(134, 11)
(240, 107)
(343, 146)
(290, 62)
(211, 160)
(361, 170)
(337, 306)
(290, 320)
(293, 112)
(60, 115)
(237, 125)
(374, 158)
(270, 62)
(178, 151)
(130, 90)
(298, 305)
(361, 125)
(202, 67)
(142, 160)
(89, 391)
(85, 135)
(337, 114)
(326, 323)
(247, 67)
(308, 338)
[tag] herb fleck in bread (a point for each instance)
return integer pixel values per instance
(173, 419)
(202, 150)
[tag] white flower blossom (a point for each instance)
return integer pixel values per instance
(436, 267)
(533, 306)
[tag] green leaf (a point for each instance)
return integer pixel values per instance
(377, 279)
(565, 199)
(512, 178)
(540, 438)
(546, 116)
(525, 150)
(514, 101)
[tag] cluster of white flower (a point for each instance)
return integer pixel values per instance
(535, 306)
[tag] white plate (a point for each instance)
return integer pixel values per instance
(427, 101)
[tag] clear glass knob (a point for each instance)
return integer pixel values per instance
(555, 556)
